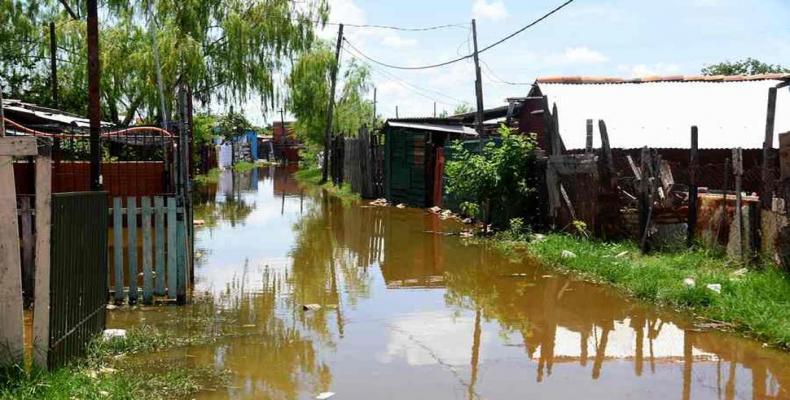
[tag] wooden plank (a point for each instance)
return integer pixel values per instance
(41, 316)
(11, 343)
(606, 151)
(588, 148)
(637, 173)
(737, 169)
(181, 270)
(131, 228)
(18, 146)
(159, 260)
(172, 255)
(766, 185)
(148, 276)
(117, 222)
(784, 155)
(691, 223)
(28, 241)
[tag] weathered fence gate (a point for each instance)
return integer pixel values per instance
(359, 162)
(77, 293)
(159, 251)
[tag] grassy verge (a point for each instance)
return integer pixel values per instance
(212, 176)
(312, 177)
(104, 373)
(756, 303)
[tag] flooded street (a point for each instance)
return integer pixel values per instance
(409, 312)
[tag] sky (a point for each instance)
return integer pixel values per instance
(621, 38)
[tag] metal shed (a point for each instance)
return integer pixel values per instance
(414, 158)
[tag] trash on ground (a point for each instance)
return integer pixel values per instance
(324, 395)
(110, 334)
(311, 307)
(568, 254)
(689, 282)
(716, 287)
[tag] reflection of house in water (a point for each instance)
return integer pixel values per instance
(284, 182)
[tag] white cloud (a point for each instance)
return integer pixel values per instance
(642, 70)
(398, 42)
(578, 55)
(494, 10)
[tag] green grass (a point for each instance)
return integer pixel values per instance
(212, 176)
(105, 373)
(244, 166)
(312, 177)
(756, 304)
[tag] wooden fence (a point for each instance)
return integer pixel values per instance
(159, 250)
(359, 162)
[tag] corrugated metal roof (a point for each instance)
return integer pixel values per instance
(48, 114)
(660, 114)
(459, 129)
(587, 80)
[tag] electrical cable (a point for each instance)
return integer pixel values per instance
(455, 60)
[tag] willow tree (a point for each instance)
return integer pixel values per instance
(224, 50)
(309, 85)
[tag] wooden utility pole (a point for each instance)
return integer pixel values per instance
(692, 212)
(53, 64)
(330, 110)
(396, 113)
(737, 169)
(434, 109)
(94, 93)
(478, 87)
(158, 66)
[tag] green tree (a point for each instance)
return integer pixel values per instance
(224, 50)
(749, 66)
(463, 108)
(309, 84)
(500, 179)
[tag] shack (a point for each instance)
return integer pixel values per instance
(414, 157)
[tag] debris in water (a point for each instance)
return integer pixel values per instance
(568, 254)
(324, 395)
(311, 307)
(401, 205)
(198, 222)
(467, 221)
(689, 282)
(547, 276)
(111, 306)
(716, 287)
(518, 275)
(110, 334)
(435, 209)
(379, 203)
(466, 234)
(248, 326)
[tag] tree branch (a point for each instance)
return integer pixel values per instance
(69, 10)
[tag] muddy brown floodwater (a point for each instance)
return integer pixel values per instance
(413, 315)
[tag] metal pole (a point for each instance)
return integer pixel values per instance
(94, 93)
(374, 109)
(53, 64)
(478, 87)
(396, 113)
(2, 114)
(434, 109)
(330, 111)
(160, 85)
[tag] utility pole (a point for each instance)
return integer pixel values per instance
(396, 113)
(373, 124)
(53, 64)
(330, 110)
(434, 109)
(158, 66)
(94, 93)
(478, 87)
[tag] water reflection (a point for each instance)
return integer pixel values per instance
(410, 312)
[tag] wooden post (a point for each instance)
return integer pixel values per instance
(478, 88)
(117, 222)
(606, 151)
(693, 164)
(43, 224)
(737, 169)
(27, 238)
(645, 199)
(766, 188)
(330, 110)
(148, 276)
(589, 143)
(53, 64)
(94, 93)
(11, 336)
(784, 163)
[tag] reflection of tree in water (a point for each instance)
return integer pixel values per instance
(231, 207)
(324, 266)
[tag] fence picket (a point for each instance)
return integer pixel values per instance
(181, 286)
(172, 283)
(159, 209)
(131, 222)
(148, 283)
(118, 247)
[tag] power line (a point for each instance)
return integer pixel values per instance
(400, 28)
(489, 47)
(496, 79)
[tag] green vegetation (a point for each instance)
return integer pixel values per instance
(223, 50)
(756, 303)
(312, 177)
(749, 66)
(212, 176)
(497, 181)
(105, 374)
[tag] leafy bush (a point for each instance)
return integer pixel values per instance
(498, 183)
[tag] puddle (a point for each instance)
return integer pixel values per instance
(406, 315)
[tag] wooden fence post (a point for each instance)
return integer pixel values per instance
(11, 327)
(783, 247)
(737, 169)
(131, 227)
(645, 197)
(766, 188)
(588, 148)
(693, 164)
(41, 315)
